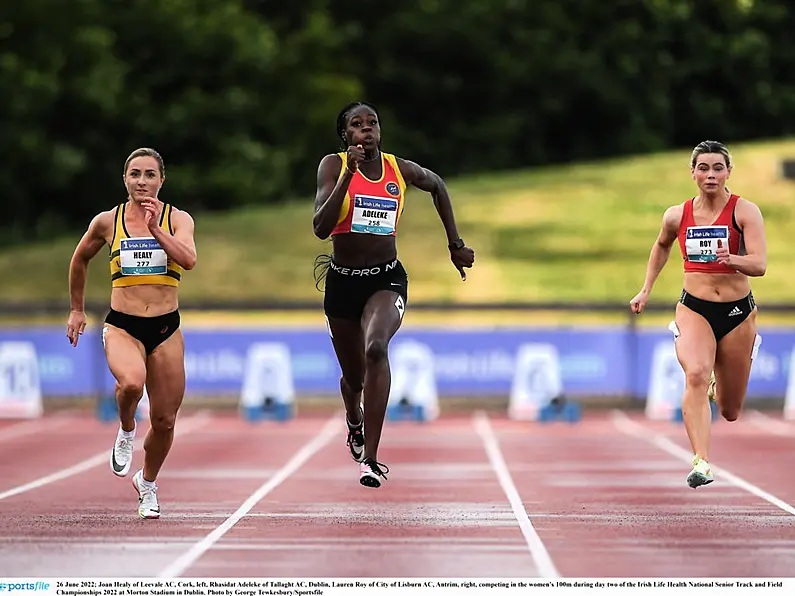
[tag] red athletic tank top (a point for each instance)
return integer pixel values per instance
(699, 243)
(372, 206)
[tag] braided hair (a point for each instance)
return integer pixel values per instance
(323, 261)
(342, 118)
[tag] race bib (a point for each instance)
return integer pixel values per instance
(701, 242)
(142, 256)
(374, 215)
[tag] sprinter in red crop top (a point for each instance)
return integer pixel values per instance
(722, 241)
(360, 198)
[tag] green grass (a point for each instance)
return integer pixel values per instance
(571, 233)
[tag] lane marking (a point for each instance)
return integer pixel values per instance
(629, 427)
(538, 551)
(31, 426)
(184, 427)
(771, 425)
(329, 430)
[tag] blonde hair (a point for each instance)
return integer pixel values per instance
(146, 152)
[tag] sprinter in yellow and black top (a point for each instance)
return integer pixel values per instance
(151, 244)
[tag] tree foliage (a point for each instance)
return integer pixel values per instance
(240, 96)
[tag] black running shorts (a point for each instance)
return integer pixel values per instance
(348, 290)
(723, 317)
(150, 331)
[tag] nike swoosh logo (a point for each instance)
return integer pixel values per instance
(116, 465)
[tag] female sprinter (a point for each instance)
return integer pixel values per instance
(360, 196)
(722, 240)
(150, 244)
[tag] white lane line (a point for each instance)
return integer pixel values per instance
(329, 430)
(771, 425)
(183, 427)
(538, 551)
(626, 425)
(32, 426)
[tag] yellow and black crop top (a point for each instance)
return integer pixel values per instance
(141, 261)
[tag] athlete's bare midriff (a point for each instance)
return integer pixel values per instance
(725, 287)
(363, 250)
(145, 301)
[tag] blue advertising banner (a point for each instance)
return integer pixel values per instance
(594, 361)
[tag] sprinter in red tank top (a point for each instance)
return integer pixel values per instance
(360, 197)
(722, 241)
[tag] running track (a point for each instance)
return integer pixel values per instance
(468, 496)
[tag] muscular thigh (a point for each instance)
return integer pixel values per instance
(165, 381)
(733, 361)
(695, 347)
(125, 355)
(383, 314)
(347, 339)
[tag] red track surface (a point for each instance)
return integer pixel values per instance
(604, 497)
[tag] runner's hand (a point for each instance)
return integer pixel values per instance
(462, 257)
(75, 326)
(724, 258)
(152, 214)
(638, 303)
(355, 157)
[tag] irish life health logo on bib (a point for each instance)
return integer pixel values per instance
(701, 242)
(142, 256)
(374, 215)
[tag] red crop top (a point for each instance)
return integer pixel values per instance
(699, 243)
(372, 206)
